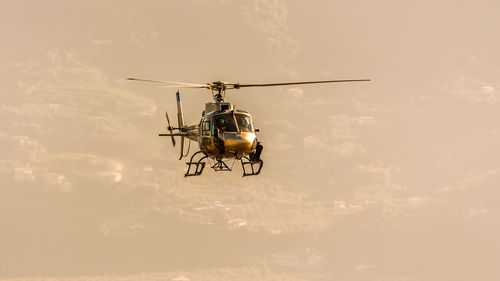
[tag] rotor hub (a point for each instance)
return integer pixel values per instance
(218, 90)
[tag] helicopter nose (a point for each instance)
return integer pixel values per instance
(241, 143)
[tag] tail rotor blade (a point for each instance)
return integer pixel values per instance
(170, 128)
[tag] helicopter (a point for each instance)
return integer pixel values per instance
(223, 133)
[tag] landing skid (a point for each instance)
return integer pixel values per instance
(252, 166)
(197, 166)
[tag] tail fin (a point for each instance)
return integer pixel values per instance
(180, 115)
(180, 120)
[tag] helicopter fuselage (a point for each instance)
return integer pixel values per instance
(224, 133)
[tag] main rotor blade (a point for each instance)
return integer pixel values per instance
(183, 86)
(237, 86)
(167, 82)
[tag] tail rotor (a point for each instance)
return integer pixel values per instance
(181, 129)
(170, 128)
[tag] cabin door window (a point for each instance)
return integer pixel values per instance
(206, 128)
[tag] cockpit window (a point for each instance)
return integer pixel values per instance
(206, 125)
(224, 123)
(244, 123)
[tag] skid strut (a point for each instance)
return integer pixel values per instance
(198, 165)
(253, 164)
(251, 167)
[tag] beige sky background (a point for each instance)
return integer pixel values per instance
(397, 179)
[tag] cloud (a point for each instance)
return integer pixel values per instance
(467, 86)
(63, 87)
(348, 148)
(100, 42)
(55, 181)
(19, 157)
(270, 19)
(225, 273)
(296, 92)
(336, 135)
(364, 267)
(23, 174)
(471, 181)
(478, 212)
(472, 90)
(69, 124)
(114, 173)
(145, 38)
(381, 171)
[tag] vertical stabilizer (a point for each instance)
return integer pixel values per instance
(180, 115)
(180, 120)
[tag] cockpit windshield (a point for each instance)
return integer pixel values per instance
(244, 123)
(225, 122)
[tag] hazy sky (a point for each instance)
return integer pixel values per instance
(396, 179)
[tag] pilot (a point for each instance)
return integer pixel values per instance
(219, 129)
